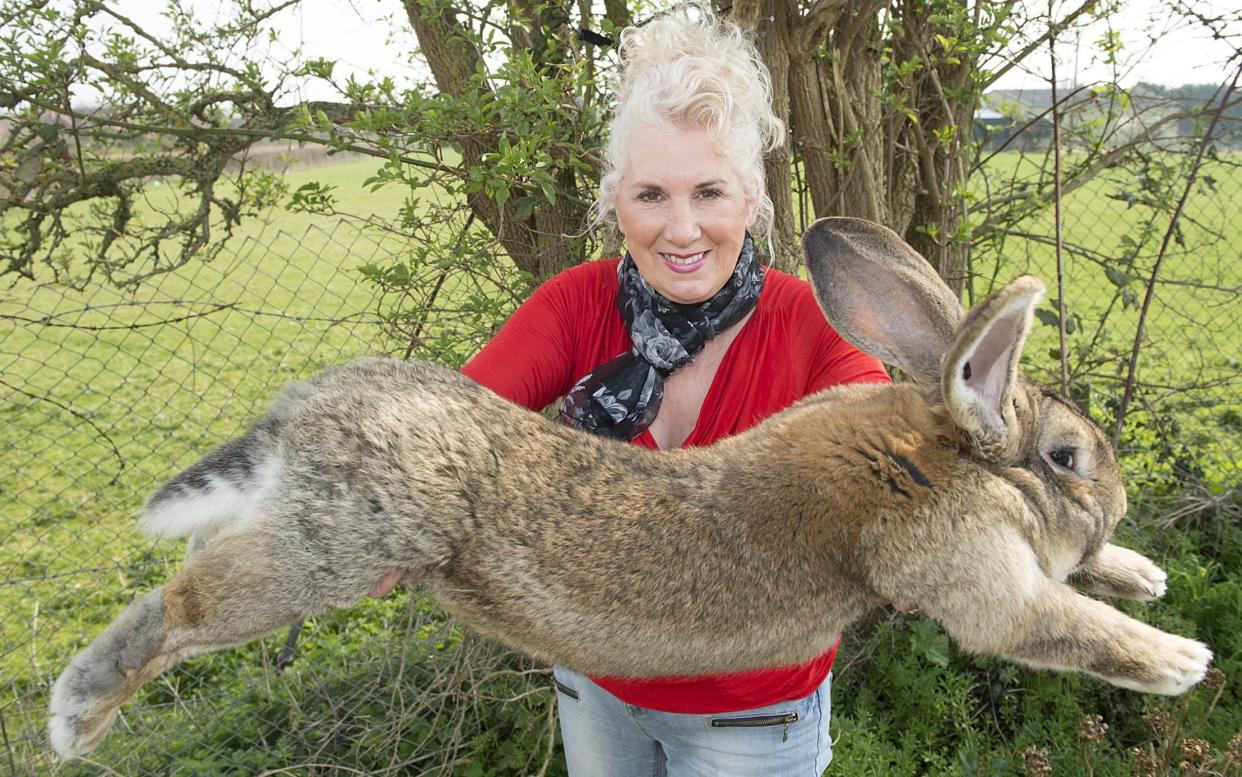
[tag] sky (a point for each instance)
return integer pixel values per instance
(364, 35)
(1157, 48)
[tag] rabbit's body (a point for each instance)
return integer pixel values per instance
(362, 476)
(616, 560)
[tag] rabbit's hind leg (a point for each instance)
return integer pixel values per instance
(241, 587)
(86, 696)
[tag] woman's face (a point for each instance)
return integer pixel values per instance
(682, 210)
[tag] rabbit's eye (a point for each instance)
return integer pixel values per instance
(1063, 457)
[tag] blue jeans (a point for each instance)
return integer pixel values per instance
(605, 737)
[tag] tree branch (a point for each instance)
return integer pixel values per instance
(1034, 45)
(1155, 270)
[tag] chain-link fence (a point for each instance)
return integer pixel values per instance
(1150, 278)
(106, 393)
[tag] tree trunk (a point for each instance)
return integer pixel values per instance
(543, 244)
(862, 153)
(939, 210)
(773, 47)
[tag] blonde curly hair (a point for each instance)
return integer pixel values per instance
(691, 69)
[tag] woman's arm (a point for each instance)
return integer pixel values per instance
(530, 360)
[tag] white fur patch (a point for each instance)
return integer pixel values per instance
(206, 511)
(65, 708)
(1032, 583)
(1062, 564)
(63, 739)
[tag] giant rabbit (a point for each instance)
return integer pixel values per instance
(976, 495)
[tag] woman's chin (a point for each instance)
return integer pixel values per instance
(688, 291)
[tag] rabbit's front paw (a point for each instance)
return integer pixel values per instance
(1117, 571)
(1148, 578)
(1180, 666)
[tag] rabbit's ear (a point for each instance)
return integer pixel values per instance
(880, 295)
(982, 364)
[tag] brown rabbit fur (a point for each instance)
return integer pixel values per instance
(973, 496)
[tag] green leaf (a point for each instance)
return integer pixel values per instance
(525, 206)
(928, 641)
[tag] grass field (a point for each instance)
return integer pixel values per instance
(100, 401)
(1191, 352)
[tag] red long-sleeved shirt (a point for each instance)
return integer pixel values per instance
(785, 351)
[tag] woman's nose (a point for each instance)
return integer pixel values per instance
(682, 227)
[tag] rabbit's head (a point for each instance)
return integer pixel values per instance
(888, 301)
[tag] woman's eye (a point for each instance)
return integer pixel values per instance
(710, 194)
(649, 196)
(1063, 457)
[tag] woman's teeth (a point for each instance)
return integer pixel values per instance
(685, 260)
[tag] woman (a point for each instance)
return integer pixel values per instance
(710, 343)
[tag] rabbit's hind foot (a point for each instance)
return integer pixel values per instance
(86, 696)
(228, 594)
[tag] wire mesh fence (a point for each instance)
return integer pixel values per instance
(105, 393)
(1151, 315)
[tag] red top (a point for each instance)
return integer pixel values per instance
(785, 351)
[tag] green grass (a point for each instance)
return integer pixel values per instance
(92, 419)
(101, 400)
(1190, 334)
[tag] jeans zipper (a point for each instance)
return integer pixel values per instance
(565, 689)
(758, 721)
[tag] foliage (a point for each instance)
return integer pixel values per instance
(511, 139)
(496, 165)
(477, 186)
(75, 177)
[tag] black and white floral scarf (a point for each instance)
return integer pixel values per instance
(621, 397)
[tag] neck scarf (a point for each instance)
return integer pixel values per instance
(621, 397)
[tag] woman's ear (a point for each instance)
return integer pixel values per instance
(752, 212)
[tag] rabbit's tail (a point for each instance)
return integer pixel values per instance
(226, 485)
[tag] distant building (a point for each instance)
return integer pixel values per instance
(1014, 120)
(992, 127)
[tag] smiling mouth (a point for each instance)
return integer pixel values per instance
(685, 262)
